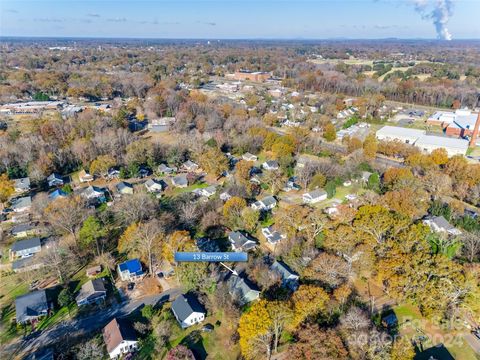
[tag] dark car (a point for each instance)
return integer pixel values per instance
(208, 328)
(130, 286)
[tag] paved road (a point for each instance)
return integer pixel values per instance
(78, 327)
(473, 342)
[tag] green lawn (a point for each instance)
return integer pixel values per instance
(178, 191)
(412, 324)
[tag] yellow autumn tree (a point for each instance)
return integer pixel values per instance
(6, 188)
(308, 301)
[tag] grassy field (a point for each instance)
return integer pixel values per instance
(413, 324)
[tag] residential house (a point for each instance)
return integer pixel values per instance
(267, 203)
(225, 196)
(440, 224)
(314, 196)
(207, 192)
(242, 290)
(249, 157)
(143, 172)
(55, 180)
(92, 292)
(113, 173)
(21, 185)
(161, 125)
(180, 181)
(94, 194)
(130, 270)
(56, 194)
(120, 338)
(31, 306)
(240, 242)
(291, 185)
(188, 311)
(27, 264)
(124, 188)
(153, 186)
(351, 197)
(165, 169)
(21, 204)
(272, 236)
(25, 248)
(190, 166)
(271, 165)
(22, 230)
(84, 177)
(288, 276)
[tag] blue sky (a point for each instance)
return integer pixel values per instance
(223, 19)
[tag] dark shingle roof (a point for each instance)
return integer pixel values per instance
(31, 304)
(26, 244)
(185, 305)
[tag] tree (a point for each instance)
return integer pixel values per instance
(402, 349)
(6, 188)
(439, 156)
(143, 240)
(65, 297)
(67, 214)
(180, 352)
(101, 165)
(242, 171)
(135, 208)
(318, 181)
(91, 232)
(232, 211)
(213, 161)
(91, 350)
(470, 245)
(329, 132)
(317, 344)
(331, 189)
(260, 328)
(250, 219)
(329, 269)
(370, 146)
(308, 301)
(373, 182)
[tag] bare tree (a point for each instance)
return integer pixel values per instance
(134, 208)
(471, 245)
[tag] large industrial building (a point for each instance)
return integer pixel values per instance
(425, 142)
(459, 123)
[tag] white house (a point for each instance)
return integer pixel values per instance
(26, 248)
(153, 186)
(440, 224)
(188, 311)
(267, 203)
(190, 166)
(314, 196)
(272, 236)
(55, 180)
(240, 242)
(119, 338)
(21, 204)
(249, 157)
(92, 292)
(83, 176)
(21, 185)
(270, 165)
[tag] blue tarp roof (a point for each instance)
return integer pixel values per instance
(133, 266)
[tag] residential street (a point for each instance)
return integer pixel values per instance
(82, 326)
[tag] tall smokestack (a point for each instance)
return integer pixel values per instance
(473, 139)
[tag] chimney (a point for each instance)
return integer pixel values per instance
(473, 139)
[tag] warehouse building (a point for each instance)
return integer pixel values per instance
(408, 136)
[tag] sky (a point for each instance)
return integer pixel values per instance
(241, 19)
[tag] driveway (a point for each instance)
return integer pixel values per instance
(83, 326)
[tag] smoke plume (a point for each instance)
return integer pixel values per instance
(439, 11)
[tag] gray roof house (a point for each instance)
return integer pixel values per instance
(289, 277)
(22, 230)
(249, 157)
(207, 192)
(190, 166)
(314, 196)
(240, 242)
(267, 203)
(21, 204)
(31, 306)
(188, 311)
(22, 185)
(272, 236)
(440, 224)
(270, 165)
(55, 180)
(165, 169)
(26, 248)
(26, 264)
(92, 292)
(180, 181)
(93, 192)
(153, 186)
(124, 188)
(242, 290)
